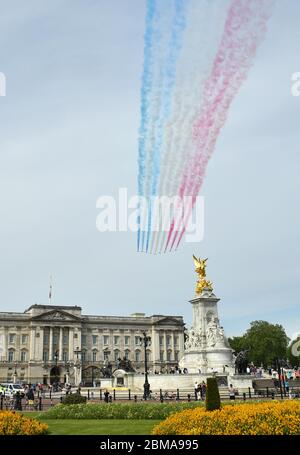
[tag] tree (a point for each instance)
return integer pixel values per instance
(212, 395)
(265, 342)
(238, 343)
(293, 353)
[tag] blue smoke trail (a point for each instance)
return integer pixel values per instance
(147, 80)
(169, 71)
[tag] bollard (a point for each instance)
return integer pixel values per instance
(1, 402)
(50, 394)
(88, 397)
(40, 403)
(135, 398)
(249, 389)
(273, 395)
(114, 394)
(100, 394)
(61, 398)
(177, 397)
(160, 395)
(267, 392)
(129, 394)
(244, 396)
(189, 397)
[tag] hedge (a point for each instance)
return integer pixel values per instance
(116, 410)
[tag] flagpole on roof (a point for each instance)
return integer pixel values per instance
(50, 289)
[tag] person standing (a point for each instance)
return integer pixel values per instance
(231, 392)
(106, 396)
(30, 398)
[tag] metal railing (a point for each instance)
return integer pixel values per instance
(43, 401)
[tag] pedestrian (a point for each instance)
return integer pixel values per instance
(199, 392)
(287, 385)
(196, 390)
(18, 402)
(231, 392)
(106, 396)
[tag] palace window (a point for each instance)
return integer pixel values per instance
(169, 354)
(65, 356)
(137, 356)
(23, 356)
(127, 340)
(95, 339)
(127, 354)
(65, 339)
(176, 355)
(12, 338)
(161, 356)
(116, 355)
(176, 339)
(148, 355)
(161, 340)
(105, 340)
(106, 355)
(45, 356)
(24, 339)
(83, 339)
(46, 338)
(116, 340)
(137, 341)
(94, 356)
(11, 355)
(83, 356)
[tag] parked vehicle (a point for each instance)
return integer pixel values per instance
(10, 389)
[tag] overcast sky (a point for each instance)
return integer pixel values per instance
(68, 134)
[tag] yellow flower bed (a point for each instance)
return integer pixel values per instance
(268, 418)
(13, 423)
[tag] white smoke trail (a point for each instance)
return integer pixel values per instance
(205, 19)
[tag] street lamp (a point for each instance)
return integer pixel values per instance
(146, 341)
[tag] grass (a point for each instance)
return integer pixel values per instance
(96, 427)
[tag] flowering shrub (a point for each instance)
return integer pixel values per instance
(13, 423)
(156, 411)
(267, 418)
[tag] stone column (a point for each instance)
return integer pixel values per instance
(181, 343)
(5, 336)
(32, 344)
(172, 347)
(60, 347)
(166, 349)
(71, 343)
(40, 345)
(51, 344)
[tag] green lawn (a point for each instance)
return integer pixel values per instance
(103, 426)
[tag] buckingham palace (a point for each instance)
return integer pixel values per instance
(41, 344)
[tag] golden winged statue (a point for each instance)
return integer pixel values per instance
(200, 269)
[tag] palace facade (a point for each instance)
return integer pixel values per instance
(45, 342)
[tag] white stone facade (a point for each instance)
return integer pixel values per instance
(206, 347)
(40, 344)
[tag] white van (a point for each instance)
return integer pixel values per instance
(11, 389)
